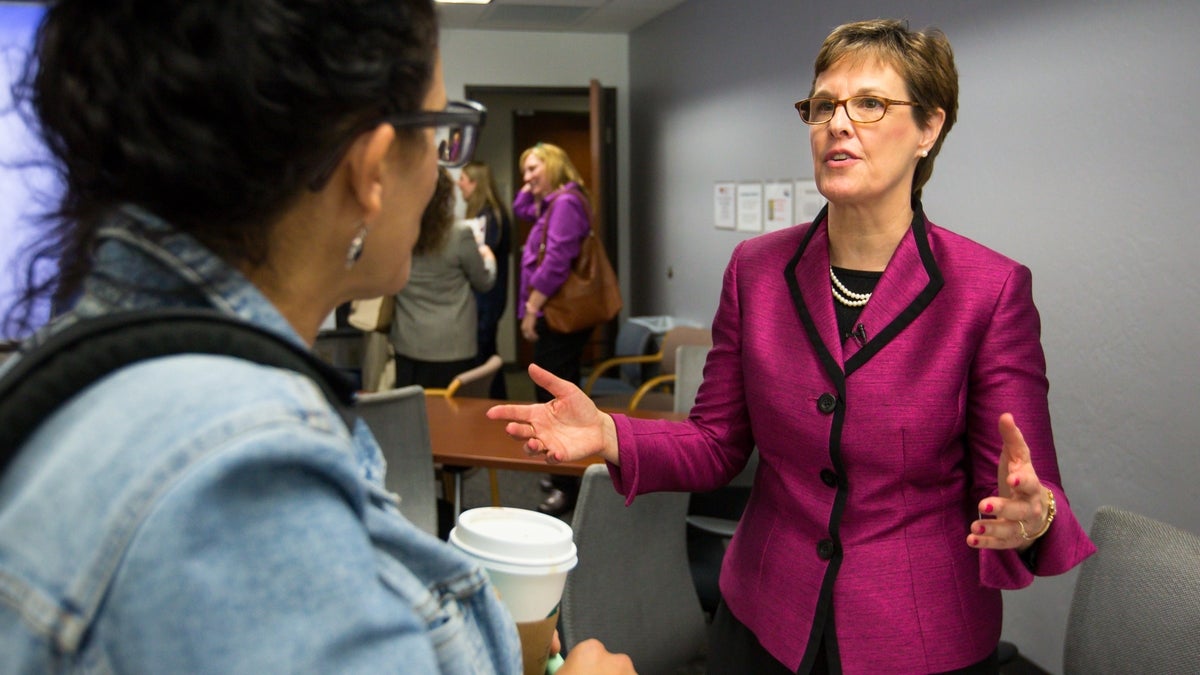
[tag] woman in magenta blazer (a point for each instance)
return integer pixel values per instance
(881, 365)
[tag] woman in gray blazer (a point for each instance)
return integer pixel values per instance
(434, 333)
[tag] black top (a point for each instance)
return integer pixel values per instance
(858, 282)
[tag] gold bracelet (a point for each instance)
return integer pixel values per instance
(1050, 511)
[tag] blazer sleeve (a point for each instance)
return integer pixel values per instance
(712, 446)
(1009, 375)
(478, 275)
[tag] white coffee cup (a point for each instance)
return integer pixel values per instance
(526, 554)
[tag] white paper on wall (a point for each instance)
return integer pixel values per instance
(750, 207)
(724, 204)
(777, 199)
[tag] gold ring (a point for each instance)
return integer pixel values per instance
(1024, 534)
(533, 434)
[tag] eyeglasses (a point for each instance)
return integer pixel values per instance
(861, 109)
(456, 130)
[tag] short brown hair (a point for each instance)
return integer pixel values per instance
(924, 61)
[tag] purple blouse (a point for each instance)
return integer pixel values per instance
(564, 228)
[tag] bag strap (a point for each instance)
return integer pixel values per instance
(546, 230)
(51, 373)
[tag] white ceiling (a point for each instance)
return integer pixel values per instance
(573, 16)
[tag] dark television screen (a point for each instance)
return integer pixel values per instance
(27, 187)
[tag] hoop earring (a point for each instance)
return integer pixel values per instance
(356, 245)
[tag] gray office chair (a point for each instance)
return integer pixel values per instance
(1136, 604)
(475, 382)
(633, 339)
(712, 516)
(631, 588)
(689, 373)
(397, 419)
(655, 393)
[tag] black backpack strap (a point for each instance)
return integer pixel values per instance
(80, 355)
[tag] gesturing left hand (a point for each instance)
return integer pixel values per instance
(1021, 509)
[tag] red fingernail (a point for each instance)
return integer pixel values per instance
(979, 529)
(1016, 482)
(974, 541)
(987, 508)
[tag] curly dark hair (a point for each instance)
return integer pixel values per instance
(212, 115)
(438, 217)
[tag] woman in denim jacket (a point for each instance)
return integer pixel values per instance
(202, 513)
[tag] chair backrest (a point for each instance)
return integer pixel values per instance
(648, 395)
(378, 362)
(1136, 604)
(689, 373)
(632, 588)
(676, 338)
(477, 382)
(633, 339)
(398, 421)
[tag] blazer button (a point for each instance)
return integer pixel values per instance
(829, 478)
(826, 403)
(825, 549)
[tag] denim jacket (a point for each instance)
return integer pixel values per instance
(204, 514)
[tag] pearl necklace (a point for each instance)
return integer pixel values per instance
(844, 295)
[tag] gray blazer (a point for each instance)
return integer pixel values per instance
(435, 313)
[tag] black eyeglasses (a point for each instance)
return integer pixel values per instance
(861, 109)
(456, 130)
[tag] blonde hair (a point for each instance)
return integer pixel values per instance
(485, 191)
(923, 60)
(559, 169)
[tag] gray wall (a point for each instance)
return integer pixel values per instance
(1075, 153)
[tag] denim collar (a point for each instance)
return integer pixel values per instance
(141, 261)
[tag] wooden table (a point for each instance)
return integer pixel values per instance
(463, 436)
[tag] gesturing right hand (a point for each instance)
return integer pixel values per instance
(568, 428)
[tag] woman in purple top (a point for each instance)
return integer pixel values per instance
(881, 365)
(555, 201)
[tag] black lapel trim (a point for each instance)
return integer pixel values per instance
(914, 309)
(832, 367)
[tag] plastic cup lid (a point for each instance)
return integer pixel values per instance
(514, 536)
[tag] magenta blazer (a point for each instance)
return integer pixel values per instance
(873, 457)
